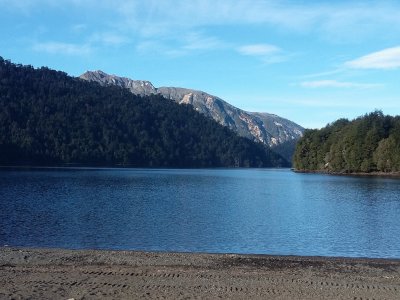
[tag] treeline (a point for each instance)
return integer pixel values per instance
(370, 143)
(286, 149)
(49, 118)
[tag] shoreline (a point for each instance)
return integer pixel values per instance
(105, 274)
(122, 167)
(354, 174)
(100, 253)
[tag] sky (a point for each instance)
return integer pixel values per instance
(311, 62)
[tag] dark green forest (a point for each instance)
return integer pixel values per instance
(370, 143)
(50, 118)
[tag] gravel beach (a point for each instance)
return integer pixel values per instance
(88, 274)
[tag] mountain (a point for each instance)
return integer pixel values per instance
(370, 143)
(50, 118)
(272, 130)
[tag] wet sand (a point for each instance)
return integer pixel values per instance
(85, 274)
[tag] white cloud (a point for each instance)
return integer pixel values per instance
(187, 44)
(197, 41)
(332, 20)
(109, 39)
(62, 48)
(160, 48)
(385, 59)
(337, 84)
(22, 6)
(175, 19)
(79, 27)
(267, 53)
(321, 74)
(259, 50)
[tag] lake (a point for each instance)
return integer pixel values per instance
(259, 211)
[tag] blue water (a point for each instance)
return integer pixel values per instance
(263, 211)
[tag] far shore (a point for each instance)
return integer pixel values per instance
(123, 167)
(96, 274)
(355, 174)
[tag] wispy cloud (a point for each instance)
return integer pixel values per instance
(259, 50)
(338, 84)
(385, 59)
(79, 27)
(174, 19)
(266, 52)
(187, 44)
(322, 74)
(197, 41)
(62, 48)
(331, 20)
(109, 39)
(22, 6)
(160, 48)
(363, 103)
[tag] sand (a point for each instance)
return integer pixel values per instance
(87, 274)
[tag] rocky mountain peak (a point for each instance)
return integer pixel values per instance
(138, 87)
(269, 129)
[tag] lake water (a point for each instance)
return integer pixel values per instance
(263, 211)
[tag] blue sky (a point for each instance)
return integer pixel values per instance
(309, 61)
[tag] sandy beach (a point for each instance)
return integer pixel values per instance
(87, 274)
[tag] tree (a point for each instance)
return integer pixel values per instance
(49, 118)
(366, 144)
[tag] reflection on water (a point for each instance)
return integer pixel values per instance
(236, 211)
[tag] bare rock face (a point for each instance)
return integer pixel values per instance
(139, 87)
(269, 129)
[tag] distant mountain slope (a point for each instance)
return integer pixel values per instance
(269, 129)
(50, 118)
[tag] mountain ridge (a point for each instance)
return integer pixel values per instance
(266, 128)
(51, 119)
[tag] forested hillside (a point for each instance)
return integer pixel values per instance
(49, 118)
(278, 133)
(370, 143)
